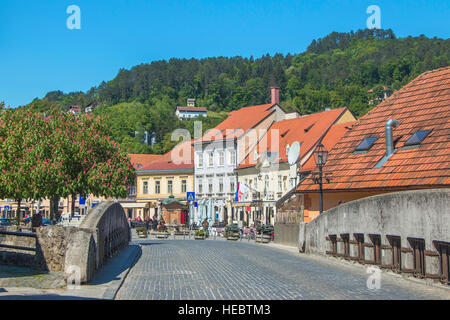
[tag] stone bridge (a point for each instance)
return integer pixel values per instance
(103, 233)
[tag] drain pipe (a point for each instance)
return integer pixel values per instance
(388, 133)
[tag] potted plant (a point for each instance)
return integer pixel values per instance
(264, 233)
(162, 232)
(232, 232)
(142, 232)
(201, 235)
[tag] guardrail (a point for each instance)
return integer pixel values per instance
(18, 234)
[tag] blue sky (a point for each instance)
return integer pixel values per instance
(38, 53)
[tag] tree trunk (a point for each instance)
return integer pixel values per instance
(72, 206)
(54, 206)
(18, 212)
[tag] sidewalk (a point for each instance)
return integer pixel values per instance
(105, 284)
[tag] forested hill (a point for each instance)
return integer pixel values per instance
(335, 71)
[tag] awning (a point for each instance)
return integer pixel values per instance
(241, 204)
(135, 205)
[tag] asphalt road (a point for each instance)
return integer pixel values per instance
(223, 270)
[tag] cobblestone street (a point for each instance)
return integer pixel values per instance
(196, 270)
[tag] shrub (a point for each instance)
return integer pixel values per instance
(142, 230)
(201, 233)
(266, 229)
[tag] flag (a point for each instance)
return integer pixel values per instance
(241, 192)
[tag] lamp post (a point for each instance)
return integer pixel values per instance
(321, 155)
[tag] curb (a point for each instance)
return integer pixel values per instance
(111, 292)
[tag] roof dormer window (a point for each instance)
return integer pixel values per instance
(366, 144)
(417, 138)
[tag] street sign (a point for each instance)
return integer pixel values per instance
(190, 196)
(7, 208)
(196, 204)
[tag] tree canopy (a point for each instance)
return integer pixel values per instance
(58, 155)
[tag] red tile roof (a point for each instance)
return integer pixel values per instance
(176, 159)
(238, 122)
(192, 109)
(143, 160)
(422, 104)
(307, 130)
(336, 132)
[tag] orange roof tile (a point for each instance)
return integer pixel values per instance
(194, 109)
(179, 158)
(336, 132)
(422, 104)
(238, 122)
(307, 130)
(140, 160)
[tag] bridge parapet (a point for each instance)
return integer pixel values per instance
(405, 231)
(109, 233)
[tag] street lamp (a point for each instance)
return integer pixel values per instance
(321, 155)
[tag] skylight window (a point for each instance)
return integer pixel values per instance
(366, 144)
(417, 138)
(309, 128)
(285, 133)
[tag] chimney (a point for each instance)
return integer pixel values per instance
(388, 132)
(191, 102)
(275, 95)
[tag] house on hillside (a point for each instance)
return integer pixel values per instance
(401, 144)
(190, 111)
(74, 109)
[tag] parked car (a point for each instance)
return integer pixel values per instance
(47, 222)
(4, 223)
(137, 224)
(219, 225)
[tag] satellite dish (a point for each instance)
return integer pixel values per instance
(293, 153)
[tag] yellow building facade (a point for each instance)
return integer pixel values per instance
(155, 185)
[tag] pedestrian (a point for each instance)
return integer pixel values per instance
(155, 223)
(150, 224)
(205, 224)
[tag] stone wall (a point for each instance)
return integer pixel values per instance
(109, 233)
(406, 231)
(287, 234)
(103, 233)
(287, 220)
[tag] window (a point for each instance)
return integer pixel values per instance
(157, 187)
(145, 187)
(221, 185)
(210, 159)
(232, 157)
(170, 187)
(200, 160)
(232, 187)
(366, 144)
(280, 184)
(417, 138)
(210, 186)
(183, 186)
(221, 158)
(200, 186)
